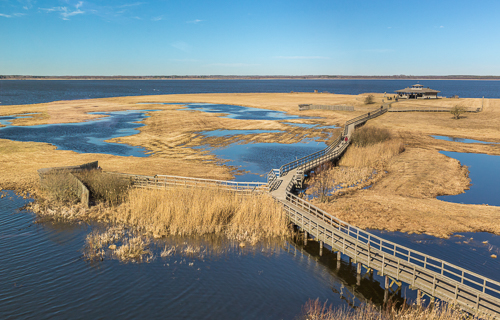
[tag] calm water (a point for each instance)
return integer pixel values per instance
(464, 249)
(44, 276)
(241, 113)
(462, 140)
(84, 137)
(38, 91)
(485, 179)
(260, 158)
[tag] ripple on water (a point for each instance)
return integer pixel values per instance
(43, 274)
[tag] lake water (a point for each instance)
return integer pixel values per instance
(83, 137)
(37, 91)
(485, 179)
(45, 276)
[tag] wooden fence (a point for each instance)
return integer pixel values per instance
(166, 181)
(334, 150)
(303, 107)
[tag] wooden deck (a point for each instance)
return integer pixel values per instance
(427, 274)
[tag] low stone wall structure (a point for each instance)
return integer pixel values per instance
(75, 184)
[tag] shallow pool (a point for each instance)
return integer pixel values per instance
(485, 179)
(260, 158)
(462, 140)
(241, 113)
(84, 137)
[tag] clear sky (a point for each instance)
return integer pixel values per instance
(250, 37)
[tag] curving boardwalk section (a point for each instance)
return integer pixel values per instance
(427, 274)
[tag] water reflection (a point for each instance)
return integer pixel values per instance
(208, 277)
(259, 158)
(484, 175)
(84, 137)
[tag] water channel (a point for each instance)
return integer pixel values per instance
(44, 274)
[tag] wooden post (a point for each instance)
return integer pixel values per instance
(339, 255)
(386, 282)
(359, 268)
(419, 297)
(305, 238)
(320, 248)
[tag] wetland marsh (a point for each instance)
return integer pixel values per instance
(274, 278)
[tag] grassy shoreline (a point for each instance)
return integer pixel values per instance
(173, 154)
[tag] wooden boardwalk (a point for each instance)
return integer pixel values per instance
(427, 274)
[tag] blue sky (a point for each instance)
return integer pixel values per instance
(97, 37)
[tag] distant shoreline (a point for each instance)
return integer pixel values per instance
(462, 77)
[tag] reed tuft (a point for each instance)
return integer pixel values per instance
(189, 211)
(367, 135)
(315, 310)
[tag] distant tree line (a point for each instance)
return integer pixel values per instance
(399, 77)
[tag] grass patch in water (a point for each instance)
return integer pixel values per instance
(315, 310)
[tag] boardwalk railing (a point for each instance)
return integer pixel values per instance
(325, 107)
(436, 277)
(165, 181)
(319, 156)
(476, 110)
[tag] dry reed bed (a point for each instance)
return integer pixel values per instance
(314, 310)
(181, 211)
(188, 211)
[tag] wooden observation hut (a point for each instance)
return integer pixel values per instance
(417, 91)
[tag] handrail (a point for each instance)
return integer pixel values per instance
(360, 119)
(429, 262)
(163, 181)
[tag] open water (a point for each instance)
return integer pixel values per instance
(37, 91)
(44, 275)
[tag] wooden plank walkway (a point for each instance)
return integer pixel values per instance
(435, 277)
(438, 278)
(432, 276)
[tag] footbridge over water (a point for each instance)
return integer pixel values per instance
(427, 274)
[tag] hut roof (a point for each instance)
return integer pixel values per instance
(417, 90)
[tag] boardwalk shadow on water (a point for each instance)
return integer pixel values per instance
(45, 274)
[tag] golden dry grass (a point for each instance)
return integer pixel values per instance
(401, 199)
(483, 126)
(314, 310)
(188, 211)
(372, 156)
(168, 133)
